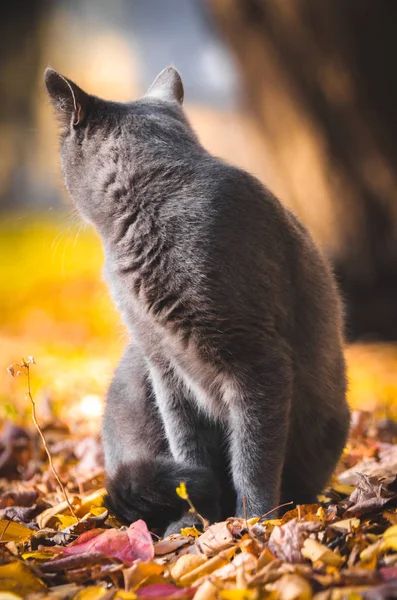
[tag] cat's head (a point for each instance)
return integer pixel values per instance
(101, 141)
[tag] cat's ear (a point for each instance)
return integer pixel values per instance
(167, 86)
(70, 101)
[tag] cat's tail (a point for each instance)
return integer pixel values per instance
(146, 489)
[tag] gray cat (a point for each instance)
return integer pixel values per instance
(234, 380)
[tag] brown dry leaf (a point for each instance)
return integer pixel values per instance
(383, 465)
(169, 545)
(244, 561)
(292, 587)
(216, 538)
(285, 542)
(370, 495)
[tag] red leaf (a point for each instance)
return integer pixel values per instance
(166, 592)
(128, 545)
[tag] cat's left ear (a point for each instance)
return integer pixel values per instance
(70, 101)
(167, 86)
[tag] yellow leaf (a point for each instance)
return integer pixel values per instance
(66, 520)
(181, 491)
(185, 564)
(193, 531)
(125, 595)
(343, 488)
(314, 551)
(97, 511)
(253, 520)
(390, 538)
(371, 552)
(272, 522)
(38, 555)
(143, 573)
(239, 594)
(45, 518)
(14, 532)
(207, 567)
(93, 592)
(16, 577)
(87, 503)
(346, 524)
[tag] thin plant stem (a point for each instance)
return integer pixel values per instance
(29, 394)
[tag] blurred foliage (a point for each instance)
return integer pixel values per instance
(55, 306)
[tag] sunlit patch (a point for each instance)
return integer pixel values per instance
(91, 405)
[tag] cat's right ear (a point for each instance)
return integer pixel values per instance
(70, 101)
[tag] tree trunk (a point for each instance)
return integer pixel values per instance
(319, 79)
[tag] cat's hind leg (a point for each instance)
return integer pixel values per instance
(142, 471)
(132, 428)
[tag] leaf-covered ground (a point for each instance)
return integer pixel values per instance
(345, 546)
(54, 305)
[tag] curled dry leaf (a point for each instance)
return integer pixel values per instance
(185, 564)
(292, 587)
(370, 495)
(286, 542)
(216, 538)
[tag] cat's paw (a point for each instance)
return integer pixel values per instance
(188, 520)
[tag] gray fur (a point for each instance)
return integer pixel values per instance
(236, 357)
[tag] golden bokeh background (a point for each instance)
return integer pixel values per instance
(53, 302)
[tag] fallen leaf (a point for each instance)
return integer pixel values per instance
(185, 564)
(292, 587)
(246, 560)
(93, 592)
(346, 525)
(128, 545)
(370, 495)
(390, 538)
(383, 465)
(166, 592)
(140, 573)
(208, 567)
(14, 532)
(207, 591)
(216, 538)
(286, 541)
(192, 531)
(170, 545)
(238, 594)
(49, 514)
(75, 561)
(314, 551)
(18, 578)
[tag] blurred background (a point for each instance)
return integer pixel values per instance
(300, 93)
